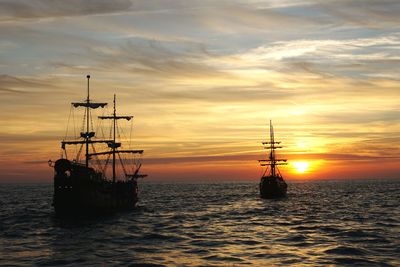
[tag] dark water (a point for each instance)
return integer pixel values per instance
(222, 224)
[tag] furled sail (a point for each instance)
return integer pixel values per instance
(267, 160)
(128, 118)
(88, 105)
(117, 151)
(63, 143)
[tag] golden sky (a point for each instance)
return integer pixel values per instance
(203, 79)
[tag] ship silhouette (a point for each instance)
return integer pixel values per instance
(82, 185)
(272, 184)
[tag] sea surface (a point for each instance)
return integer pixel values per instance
(344, 223)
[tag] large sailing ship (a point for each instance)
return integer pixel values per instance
(83, 184)
(272, 184)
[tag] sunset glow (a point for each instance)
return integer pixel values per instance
(300, 166)
(203, 79)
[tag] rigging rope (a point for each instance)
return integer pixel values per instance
(69, 117)
(99, 125)
(98, 162)
(62, 153)
(110, 134)
(122, 164)
(66, 134)
(78, 155)
(83, 122)
(118, 130)
(91, 120)
(130, 135)
(74, 125)
(121, 133)
(106, 164)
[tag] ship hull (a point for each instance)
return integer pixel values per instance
(81, 190)
(272, 187)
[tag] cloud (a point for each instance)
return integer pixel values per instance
(384, 47)
(203, 77)
(341, 157)
(367, 13)
(361, 116)
(28, 9)
(18, 138)
(12, 84)
(247, 158)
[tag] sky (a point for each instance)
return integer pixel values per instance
(203, 79)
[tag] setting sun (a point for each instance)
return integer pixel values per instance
(300, 166)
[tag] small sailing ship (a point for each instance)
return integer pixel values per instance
(83, 184)
(272, 184)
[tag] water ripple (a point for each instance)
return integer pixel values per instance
(215, 224)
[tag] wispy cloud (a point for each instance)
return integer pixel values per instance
(11, 84)
(22, 9)
(204, 77)
(368, 13)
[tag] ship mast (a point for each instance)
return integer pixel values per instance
(86, 135)
(87, 124)
(113, 148)
(272, 145)
(114, 144)
(272, 151)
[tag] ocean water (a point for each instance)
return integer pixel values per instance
(348, 223)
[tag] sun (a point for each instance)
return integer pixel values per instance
(301, 166)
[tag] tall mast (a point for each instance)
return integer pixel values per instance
(113, 148)
(86, 135)
(272, 145)
(114, 145)
(87, 123)
(272, 152)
